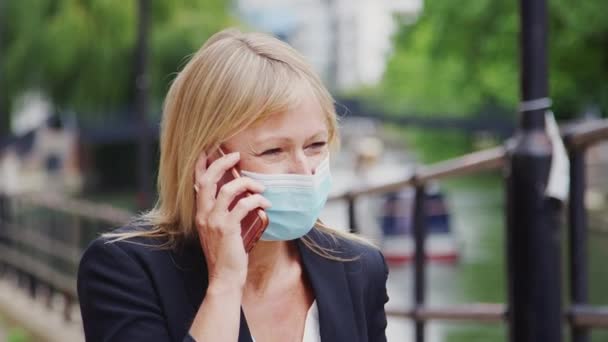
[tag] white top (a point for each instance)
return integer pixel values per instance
(311, 325)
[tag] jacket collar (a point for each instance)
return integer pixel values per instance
(332, 292)
(327, 278)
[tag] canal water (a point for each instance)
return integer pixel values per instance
(476, 206)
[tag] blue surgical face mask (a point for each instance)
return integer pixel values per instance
(297, 201)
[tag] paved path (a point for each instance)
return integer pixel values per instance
(35, 317)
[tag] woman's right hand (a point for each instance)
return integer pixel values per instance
(219, 229)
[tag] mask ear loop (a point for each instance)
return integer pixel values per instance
(221, 151)
(323, 166)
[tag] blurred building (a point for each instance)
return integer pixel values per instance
(44, 158)
(347, 41)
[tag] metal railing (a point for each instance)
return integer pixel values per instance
(580, 315)
(43, 236)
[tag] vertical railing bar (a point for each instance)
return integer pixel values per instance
(577, 217)
(50, 292)
(419, 258)
(3, 227)
(48, 230)
(77, 236)
(510, 247)
(535, 287)
(67, 306)
(21, 223)
(35, 219)
(352, 215)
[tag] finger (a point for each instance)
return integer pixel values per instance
(247, 204)
(204, 202)
(232, 189)
(219, 167)
(200, 166)
(206, 181)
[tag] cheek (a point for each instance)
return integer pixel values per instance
(259, 165)
(319, 157)
(248, 163)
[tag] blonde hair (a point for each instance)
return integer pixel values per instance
(235, 80)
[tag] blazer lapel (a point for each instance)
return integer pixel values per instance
(330, 285)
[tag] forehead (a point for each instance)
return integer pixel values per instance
(306, 113)
(300, 121)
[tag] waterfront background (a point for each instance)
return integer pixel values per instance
(416, 82)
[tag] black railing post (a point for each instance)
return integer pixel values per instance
(533, 233)
(419, 257)
(67, 306)
(4, 117)
(3, 228)
(32, 285)
(142, 85)
(3, 212)
(352, 215)
(577, 217)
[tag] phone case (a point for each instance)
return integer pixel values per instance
(255, 222)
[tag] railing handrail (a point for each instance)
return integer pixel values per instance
(485, 160)
(576, 136)
(578, 315)
(78, 207)
(585, 133)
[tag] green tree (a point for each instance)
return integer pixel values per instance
(81, 53)
(462, 56)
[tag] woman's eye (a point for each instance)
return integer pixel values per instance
(271, 151)
(318, 144)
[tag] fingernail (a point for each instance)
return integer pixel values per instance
(234, 155)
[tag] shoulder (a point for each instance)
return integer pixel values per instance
(354, 252)
(124, 286)
(110, 252)
(108, 265)
(127, 239)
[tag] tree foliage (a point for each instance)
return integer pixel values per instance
(462, 56)
(81, 53)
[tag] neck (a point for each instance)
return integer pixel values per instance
(267, 260)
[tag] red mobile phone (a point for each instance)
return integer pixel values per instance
(255, 222)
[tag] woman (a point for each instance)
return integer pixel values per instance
(181, 273)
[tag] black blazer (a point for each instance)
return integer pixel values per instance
(130, 291)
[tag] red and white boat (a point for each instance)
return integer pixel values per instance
(396, 221)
